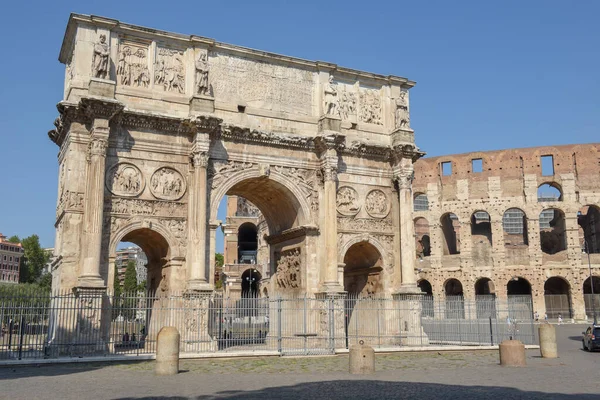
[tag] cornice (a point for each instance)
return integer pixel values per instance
(239, 134)
(292, 233)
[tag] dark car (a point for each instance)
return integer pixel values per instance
(591, 338)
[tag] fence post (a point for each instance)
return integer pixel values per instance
(279, 338)
(491, 332)
(21, 334)
(331, 324)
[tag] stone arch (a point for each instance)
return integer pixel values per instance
(161, 248)
(588, 219)
(343, 249)
(549, 191)
(420, 202)
(484, 286)
(281, 213)
(247, 243)
(553, 237)
(518, 286)
(363, 269)
(588, 297)
(481, 237)
(450, 225)
(514, 225)
(427, 302)
(557, 296)
(251, 283)
(485, 298)
(422, 237)
(455, 303)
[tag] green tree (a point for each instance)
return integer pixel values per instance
(33, 261)
(117, 290)
(219, 260)
(14, 239)
(130, 284)
(45, 281)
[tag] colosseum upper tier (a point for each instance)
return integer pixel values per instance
(511, 222)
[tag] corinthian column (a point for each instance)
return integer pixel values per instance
(197, 217)
(89, 275)
(329, 160)
(403, 174)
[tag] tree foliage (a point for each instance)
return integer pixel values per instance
(14, 239)
(130, 284)
(33, 260)
(219, 260)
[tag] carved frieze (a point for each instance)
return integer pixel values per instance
(370, 106)
(377, 204)
(306, 180)
(169, 70)
(347, 104)
(365, 224)
(347, 201)
(128, 206)
(125, 179)
(69, 201)
(178, 228)
(167, 184)
(222, 171)
(289, 269)
(132, 67)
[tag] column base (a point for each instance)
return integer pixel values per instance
(409, 289)
(403, 135)
(331, 288)
(199, 286)
(90, 282)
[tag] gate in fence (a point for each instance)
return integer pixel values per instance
(36, 326)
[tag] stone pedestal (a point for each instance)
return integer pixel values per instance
(548, 347)
(512, 353)
(167, 351)
(330, 123)
(332, 319)
(92, 327)
(362, 359)
(196, 329)
(409, 306)
(102, 88)
(403, 135)
(200, 104)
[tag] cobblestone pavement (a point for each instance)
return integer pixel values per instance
(464, 375)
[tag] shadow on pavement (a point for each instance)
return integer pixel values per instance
(35, 370)
(375, 389)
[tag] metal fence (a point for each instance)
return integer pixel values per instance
(37, 326)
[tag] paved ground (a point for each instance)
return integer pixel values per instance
(464, 375)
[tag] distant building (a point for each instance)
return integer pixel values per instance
(131, 254)
(10, 258)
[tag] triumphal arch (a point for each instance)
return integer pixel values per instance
(155, 128)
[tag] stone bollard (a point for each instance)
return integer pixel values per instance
(512, 353)
(362, 359)
(548, 341)
(167, 351)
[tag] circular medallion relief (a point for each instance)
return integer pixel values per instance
(167, 184)
(377, 204)
(347, 201)
(125, 179)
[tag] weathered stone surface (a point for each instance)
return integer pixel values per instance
(167, 351)
(512, 353)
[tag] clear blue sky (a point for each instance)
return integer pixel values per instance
(490, 75)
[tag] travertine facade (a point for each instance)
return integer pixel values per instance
(156, 127)
(504, 238)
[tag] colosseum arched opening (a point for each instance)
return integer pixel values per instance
(455, 303)
(553, 238)
(557, 296)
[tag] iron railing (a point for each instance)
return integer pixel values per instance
(62, 325)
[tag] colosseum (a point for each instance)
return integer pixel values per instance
(497, 223)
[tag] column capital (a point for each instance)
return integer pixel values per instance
(200, 159)
(96, 147)
(404, 175)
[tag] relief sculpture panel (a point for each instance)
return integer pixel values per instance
(125, 179)
(169, 70)
(377, 204)
(289, 269)
(370, 106)
(347, 201)
(167, 184)
(132, 67)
